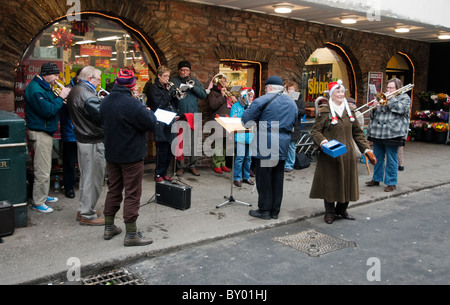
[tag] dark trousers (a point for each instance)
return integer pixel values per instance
(163, 158)
(128, 177)
(269, 183)
(69, 170)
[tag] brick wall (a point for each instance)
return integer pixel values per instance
(204, 34)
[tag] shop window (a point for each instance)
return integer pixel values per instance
(242, 73)
(324, 65)
(94, 40)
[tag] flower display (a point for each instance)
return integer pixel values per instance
(416, 124)
(442, 115)
(440, 127)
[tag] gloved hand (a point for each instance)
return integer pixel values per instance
(372, 159)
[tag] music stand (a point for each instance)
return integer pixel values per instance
(232, 125)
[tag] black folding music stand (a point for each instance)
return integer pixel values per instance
(233, 129)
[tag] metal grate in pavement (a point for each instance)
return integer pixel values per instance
(314, 243)
(115, 277)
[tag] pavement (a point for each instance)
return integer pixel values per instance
(44, 251)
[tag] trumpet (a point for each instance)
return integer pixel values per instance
(102, 93)
(177, 93)
(382, 98)
(57, 90)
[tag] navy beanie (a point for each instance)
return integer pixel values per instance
(274, 80)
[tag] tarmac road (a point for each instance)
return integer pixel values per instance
(399, 241)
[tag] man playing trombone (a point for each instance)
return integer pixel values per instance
(388, 129)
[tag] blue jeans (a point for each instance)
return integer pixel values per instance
(388, 170)
(242, 162)
(291, 156)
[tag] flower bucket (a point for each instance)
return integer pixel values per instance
(440, 137)
(428, 135)
(419, 134)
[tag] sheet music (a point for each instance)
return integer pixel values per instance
(164, 116)
(294, 95)
(231, 120)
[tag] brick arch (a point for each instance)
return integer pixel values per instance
(343, 49)
(20, 30)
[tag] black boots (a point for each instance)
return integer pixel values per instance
(340, 210)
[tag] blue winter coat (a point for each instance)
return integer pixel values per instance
(275, 122)
(237, 110)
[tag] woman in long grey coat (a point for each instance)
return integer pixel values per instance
(336, 179)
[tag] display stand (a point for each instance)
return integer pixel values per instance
(232, 126)
(448, 132)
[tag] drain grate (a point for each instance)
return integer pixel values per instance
(314, 243)
(115, 277)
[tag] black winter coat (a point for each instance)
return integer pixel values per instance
(160, 97)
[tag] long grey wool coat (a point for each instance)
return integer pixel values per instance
(336, 179)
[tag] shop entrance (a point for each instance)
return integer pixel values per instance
(325, 65)
(105, 42)
(400, 66)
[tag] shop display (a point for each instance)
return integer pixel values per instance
(431, 124)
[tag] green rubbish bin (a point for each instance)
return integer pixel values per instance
(13, 150)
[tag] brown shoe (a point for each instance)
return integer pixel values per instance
(78, 218)
(390, 188)
(98, 221)
(111, 233)
(372, 183)
(248, 181)
(329, 218)
(136, 239)
(194, 171)
(237, 183)
(180, 172)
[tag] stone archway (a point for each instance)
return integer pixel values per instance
(23, 24)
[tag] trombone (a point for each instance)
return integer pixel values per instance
(382, 98)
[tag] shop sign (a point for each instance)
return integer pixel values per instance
(95, 50)
(319, 76)
(375, 85)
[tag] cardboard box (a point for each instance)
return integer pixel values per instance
(310, 111)
(334, 148)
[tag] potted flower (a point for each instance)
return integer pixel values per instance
(441, 130)
(442, 115)
(429, 131)
(441, 98)
(425, 99)
(417, 127)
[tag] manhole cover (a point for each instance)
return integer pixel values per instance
(115, 277)
(314, 243)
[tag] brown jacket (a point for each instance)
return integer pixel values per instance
(336, 179)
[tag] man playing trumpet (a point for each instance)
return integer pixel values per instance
(84, 108)
(41, 113)
(188, 104)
